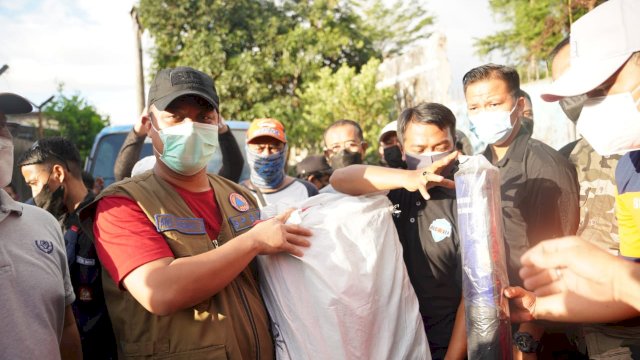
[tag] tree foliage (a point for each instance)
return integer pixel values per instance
(533, 28)
(78, 120)
(393, 26)
(344, 94)
(262, 54)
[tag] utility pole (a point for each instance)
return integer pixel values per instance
(39, 107)
(138, 30)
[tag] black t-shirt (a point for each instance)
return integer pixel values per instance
(539, 191)
(431, 250)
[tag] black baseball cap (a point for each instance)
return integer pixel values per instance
(14, 104)
(313, 164)
(170, 84)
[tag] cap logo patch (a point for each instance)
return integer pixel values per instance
(238, 202)
(188, 226)
(185, 77)
(45, 246)
(440, 229)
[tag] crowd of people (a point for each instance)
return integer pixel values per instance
(160, 264)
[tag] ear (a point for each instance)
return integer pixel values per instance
(59, 172)
(365, 146)
(146, 121)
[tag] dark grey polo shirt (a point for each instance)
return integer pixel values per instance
(539, 197)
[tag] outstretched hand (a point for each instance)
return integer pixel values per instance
(426, 178)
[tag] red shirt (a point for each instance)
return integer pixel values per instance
(126, 239)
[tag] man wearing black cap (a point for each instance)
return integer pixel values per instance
(36, 315)
(177, 242)
(314, 169)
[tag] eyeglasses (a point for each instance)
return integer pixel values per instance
(350, 145)
(272, 148)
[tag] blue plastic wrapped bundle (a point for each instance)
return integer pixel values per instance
(484, 269)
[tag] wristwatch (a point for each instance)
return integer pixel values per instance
(525, 342)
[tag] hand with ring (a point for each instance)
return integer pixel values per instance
(426, 178)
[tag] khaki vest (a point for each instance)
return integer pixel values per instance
(233, 324)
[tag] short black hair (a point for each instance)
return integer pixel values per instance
(343, 122)
(427, 113)
(493, 71)
(54, 150)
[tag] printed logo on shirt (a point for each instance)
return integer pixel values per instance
(238, 202)
(188, 226)
(440, 229)
(85, 294)
(45, 246)
(244, 220)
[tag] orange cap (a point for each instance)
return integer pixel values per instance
(266, 127)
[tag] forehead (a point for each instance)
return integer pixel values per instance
(560, 62)
(265, 140)
(487, 88)
(341, 133)
(419, 133)
(33, 170)
(189, 102)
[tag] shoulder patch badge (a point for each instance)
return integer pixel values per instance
(45, 246)
(440, 229)
(238, 202)
(244, 220)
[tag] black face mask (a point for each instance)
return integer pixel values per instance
(572, 106)
(345, 158)
(393, 157)
(53, 202)
(527, 123)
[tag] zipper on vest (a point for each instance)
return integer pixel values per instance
(215, 243)
(251, 320)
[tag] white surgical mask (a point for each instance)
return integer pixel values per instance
(611, 124)
(188, 146)
(6, 161)
(492, 126)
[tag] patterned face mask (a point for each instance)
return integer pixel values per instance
(267, 171)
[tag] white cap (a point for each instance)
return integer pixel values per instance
(601, 42)
(392, 126)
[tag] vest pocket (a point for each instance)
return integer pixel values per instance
(160, 350)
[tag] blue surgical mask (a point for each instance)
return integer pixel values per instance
(188, 146)
(267, 171)
(492, 127)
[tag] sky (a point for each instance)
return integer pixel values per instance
(89, 46)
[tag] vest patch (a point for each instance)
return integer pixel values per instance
(45, 246)
(440, 229)
(238, 202)
(244, 220)
(188, 226)
(84, 261)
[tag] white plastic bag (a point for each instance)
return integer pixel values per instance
(349, 296)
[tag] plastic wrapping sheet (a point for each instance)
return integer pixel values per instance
(349, 296)
(484, 268)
